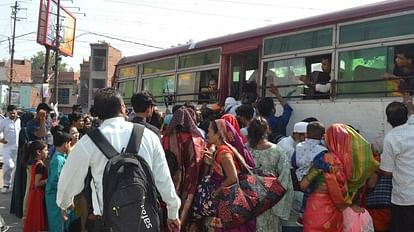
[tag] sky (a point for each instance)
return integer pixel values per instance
(138, 26)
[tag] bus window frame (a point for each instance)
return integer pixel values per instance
(198, 69)
(372, 41)
(127, 66)
(368, 46)
(158, 59)
(282, 54)
(196, 52)
(143, 78)
(316, 52)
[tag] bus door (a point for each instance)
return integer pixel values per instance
(244, 73)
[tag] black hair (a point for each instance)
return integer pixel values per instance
(76, 107)
(141, 101)
(407, 51)
(11, 108)
(108, 103)
(315, 130)
(60, 135)
(265, 106)
(257, 131)
(34, 147)
(175, 108)
(214, 126)
(246, 111)
(92, 111)
(310, 119)
(73, 117)
(157, 120)
(397, 113)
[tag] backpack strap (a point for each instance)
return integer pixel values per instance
(135, 139)
(102, 143)
(106, 147)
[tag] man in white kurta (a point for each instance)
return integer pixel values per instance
(10, 128)
(117, 131)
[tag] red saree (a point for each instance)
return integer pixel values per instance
(321, 212)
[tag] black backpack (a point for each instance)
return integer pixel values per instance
(129, 193)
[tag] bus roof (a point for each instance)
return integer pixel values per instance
(356, 13)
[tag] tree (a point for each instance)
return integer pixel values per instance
(38, 62)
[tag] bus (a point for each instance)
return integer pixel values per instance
(360, 43)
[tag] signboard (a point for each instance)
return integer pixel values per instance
(46, 30)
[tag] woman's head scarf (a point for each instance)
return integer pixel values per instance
(354, 152)
(184, 118)
(231, 137)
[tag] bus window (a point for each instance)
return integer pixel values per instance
(126, 88)
(402, 69)
(285, 73)
(159, 86)
(244, 66)
(363, 65)
(200, 86)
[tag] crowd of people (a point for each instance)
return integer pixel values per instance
(333, 179)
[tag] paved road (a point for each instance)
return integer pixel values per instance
(11, 220)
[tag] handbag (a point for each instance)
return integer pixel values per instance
(204, 204)
(253, 194)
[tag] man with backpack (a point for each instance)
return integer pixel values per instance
(127, 162)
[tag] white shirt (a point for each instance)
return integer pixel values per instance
(288, 145)
(10, 130)
(85, 154)
(306, 151)
(398, 157)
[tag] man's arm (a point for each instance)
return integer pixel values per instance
(41, 131)
(387, 158)
(408, 101)
(163, 180)
(275, 91)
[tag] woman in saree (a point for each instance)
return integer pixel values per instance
(271, 158)
(351, 163)
(184, 147)
(225, 166)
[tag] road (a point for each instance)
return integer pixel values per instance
(11, 220)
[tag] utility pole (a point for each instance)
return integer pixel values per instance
(15, 9)
(57, 50)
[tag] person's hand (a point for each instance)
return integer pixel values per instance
(274, 89)
(207, 157)
(3, 141)
(174, 225)
(64, 214)
(304, 79)
(408, 102)
(389, 76)
(42, 115)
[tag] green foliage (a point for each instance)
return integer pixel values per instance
(38, 61)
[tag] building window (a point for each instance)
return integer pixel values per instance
(99, 60)
(63, 96)
(97, 84)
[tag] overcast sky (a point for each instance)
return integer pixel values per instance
(159, 23)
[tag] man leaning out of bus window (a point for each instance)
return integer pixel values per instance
(403, 71)
(319, 82)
